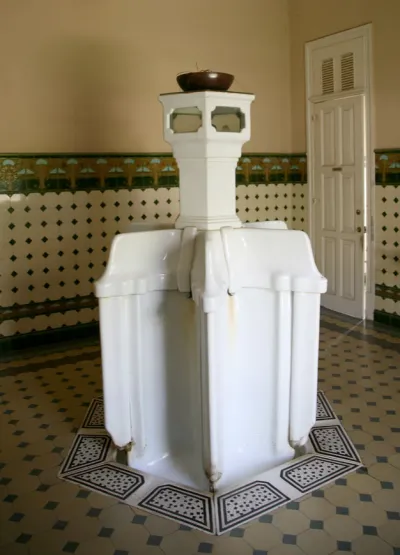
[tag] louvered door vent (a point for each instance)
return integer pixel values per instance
(327, 76)
(347, 71)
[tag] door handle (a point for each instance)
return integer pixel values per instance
(359, 229)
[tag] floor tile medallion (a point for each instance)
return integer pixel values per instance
(92, 464)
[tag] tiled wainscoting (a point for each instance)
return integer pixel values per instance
(387, 236)
(58, 215)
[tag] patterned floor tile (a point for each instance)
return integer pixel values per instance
(86, 451)
(110, 479)
(246, 503)
(185, 506)
(333, 440)
(86, 465)
(45, 397)
(324, 411)
(315, 471)
(94, 418)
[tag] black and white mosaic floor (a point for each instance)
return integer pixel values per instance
(92, 464)
(44, 396)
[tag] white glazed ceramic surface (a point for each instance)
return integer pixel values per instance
(207, 159)
(210, 331)
(222, 384)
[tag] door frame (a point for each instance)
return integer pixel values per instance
(364, 31)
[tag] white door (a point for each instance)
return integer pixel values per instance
(338, 201)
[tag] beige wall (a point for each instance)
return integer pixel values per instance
(84, 75)
(311, 19)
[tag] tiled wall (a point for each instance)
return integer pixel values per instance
(59, 214)
(387, 236)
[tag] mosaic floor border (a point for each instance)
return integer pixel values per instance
(21, 361)
(92, 463)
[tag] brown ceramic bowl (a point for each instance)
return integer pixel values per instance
(205, 81)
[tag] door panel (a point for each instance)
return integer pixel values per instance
(338, 201)
(328, 262)
(328, 204)
(328, 142)
(347, 270)
(347, 201)
(346, 143)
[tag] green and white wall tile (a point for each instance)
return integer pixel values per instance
(58, 215)
(387, 236)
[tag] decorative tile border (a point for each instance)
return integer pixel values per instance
(247, 502)
(91, 463)
(88, 450)
(94, 418)
(271, 168)
(387, 291)
(62, 172)
(10, 345)
(187, 507)
(324, 411)
(48, 229)
(109, 479)
(28, 173)
(392, 294)
(25, 174)
(332, 440)
(31, 310)
(308, 474)
(387, 167)
(387, 318)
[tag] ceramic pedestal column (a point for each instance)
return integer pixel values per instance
(210, 330)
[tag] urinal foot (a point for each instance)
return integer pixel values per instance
(213, 477)
(127, 447)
